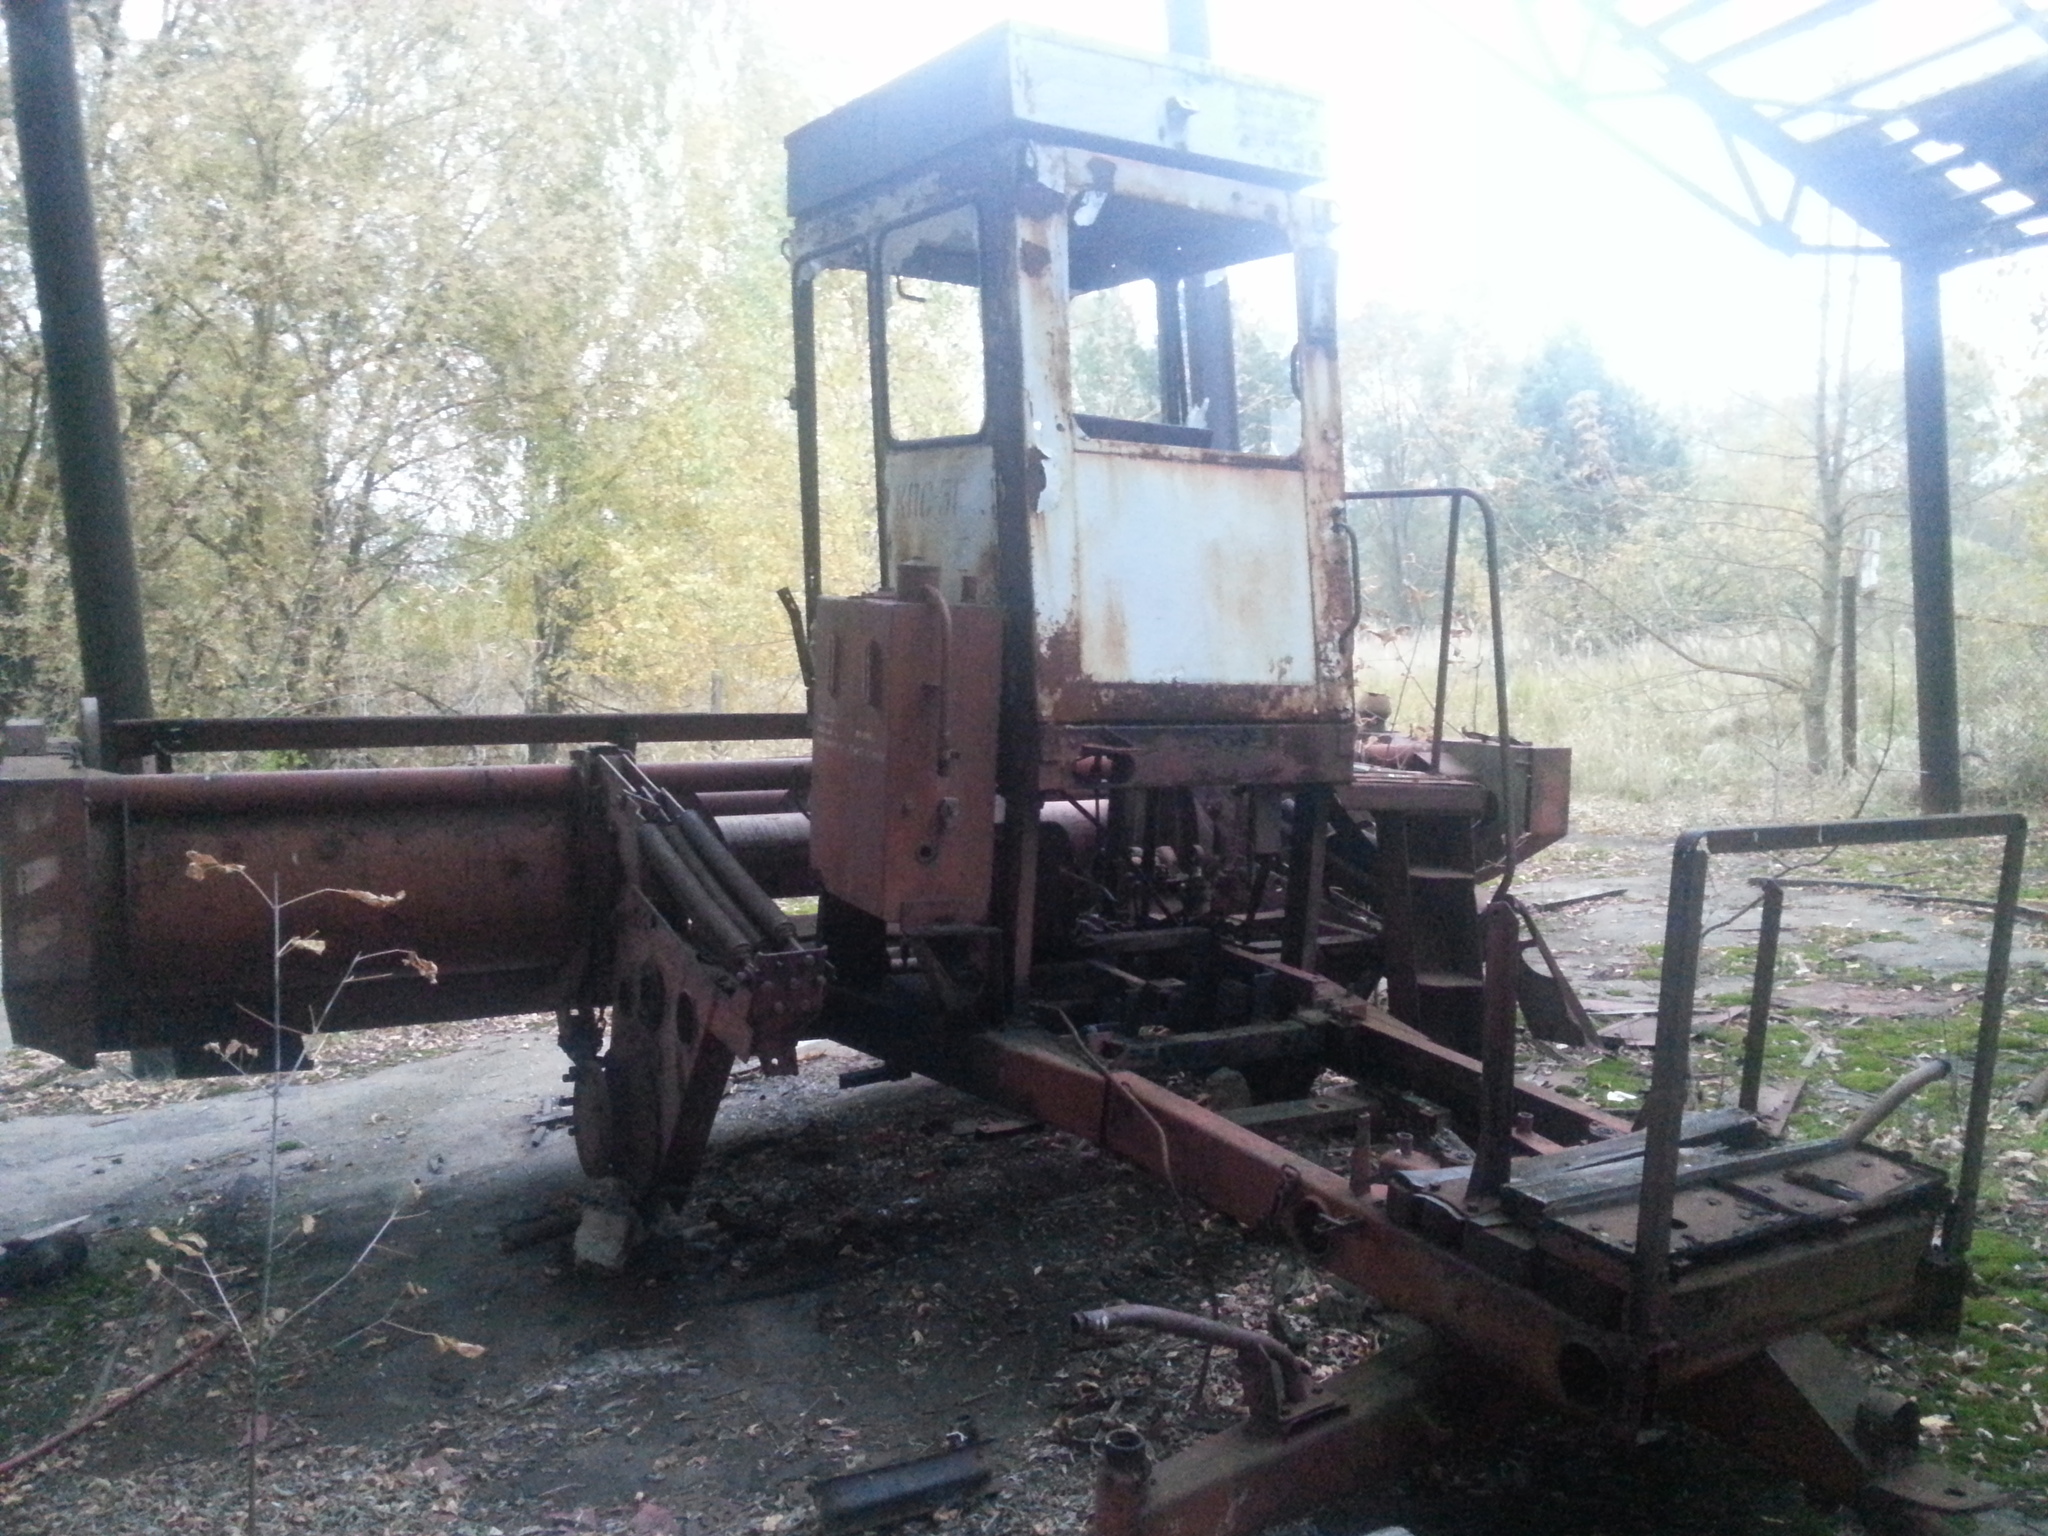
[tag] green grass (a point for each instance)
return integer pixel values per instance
(1986, 1391)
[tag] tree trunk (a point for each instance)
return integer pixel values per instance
(1831, 471)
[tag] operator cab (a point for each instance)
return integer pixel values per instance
(1066, 345)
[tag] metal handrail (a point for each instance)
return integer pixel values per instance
(126, 739)
(1670, 1070)
(1458, 495)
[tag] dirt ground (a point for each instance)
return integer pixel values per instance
(858, 1272)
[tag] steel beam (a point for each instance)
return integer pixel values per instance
(1927, 512)
(335, 733)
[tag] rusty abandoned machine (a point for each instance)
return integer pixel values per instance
(1087, 814)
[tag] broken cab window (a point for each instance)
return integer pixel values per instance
(1183, 328)
(931, 290)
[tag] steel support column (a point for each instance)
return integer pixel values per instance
(1927, 505)
(85, 420)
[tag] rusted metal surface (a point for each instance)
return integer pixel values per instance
(1796, 1405)
(1276, 1380)
(1123, 1480)
(315, 790)
(1383, 1415)
(1554, 1320)
(1889, 1101)
(51, 889)
(879, 1496)
(1152, 631)
(1501, 929)
(1799, 1406)
(1512, 813)
(1251, 1179)
(1092, 758)
(1372, 790)
(1755, 1035)
(1141, 611)
(699, 968)
(110, 946)
(326, 733)
(1652, 1285)
(903, 792)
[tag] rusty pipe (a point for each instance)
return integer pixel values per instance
(1932, 1071)
(332, 789)
(718, 860)
(722, 803)
(1123, 1478)
(697, 903)
(728, 909)
(775, 849)
(1294, 1376)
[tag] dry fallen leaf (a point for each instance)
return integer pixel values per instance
(306, 1223)
(445, 1345)
(438, 1470)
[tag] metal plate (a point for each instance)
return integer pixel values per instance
(1742, 1210)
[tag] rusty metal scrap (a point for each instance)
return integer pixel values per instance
(877, 1496)
(1276, 1380)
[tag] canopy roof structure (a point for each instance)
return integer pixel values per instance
(1915, 129)
(1912, 128)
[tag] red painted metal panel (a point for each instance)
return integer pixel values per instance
(891, 833)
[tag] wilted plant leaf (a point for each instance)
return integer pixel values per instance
(200, 865)
(372, 898)
(187, 1243)
(421, 964)
(445, 1345)
(306, 942)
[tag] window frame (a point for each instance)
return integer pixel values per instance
(1160, 277)
(879, 299)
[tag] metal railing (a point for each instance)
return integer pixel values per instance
(1457, 496)
(117, 741)
(1671, 1067)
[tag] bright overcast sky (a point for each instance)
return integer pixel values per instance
(1465, 191)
